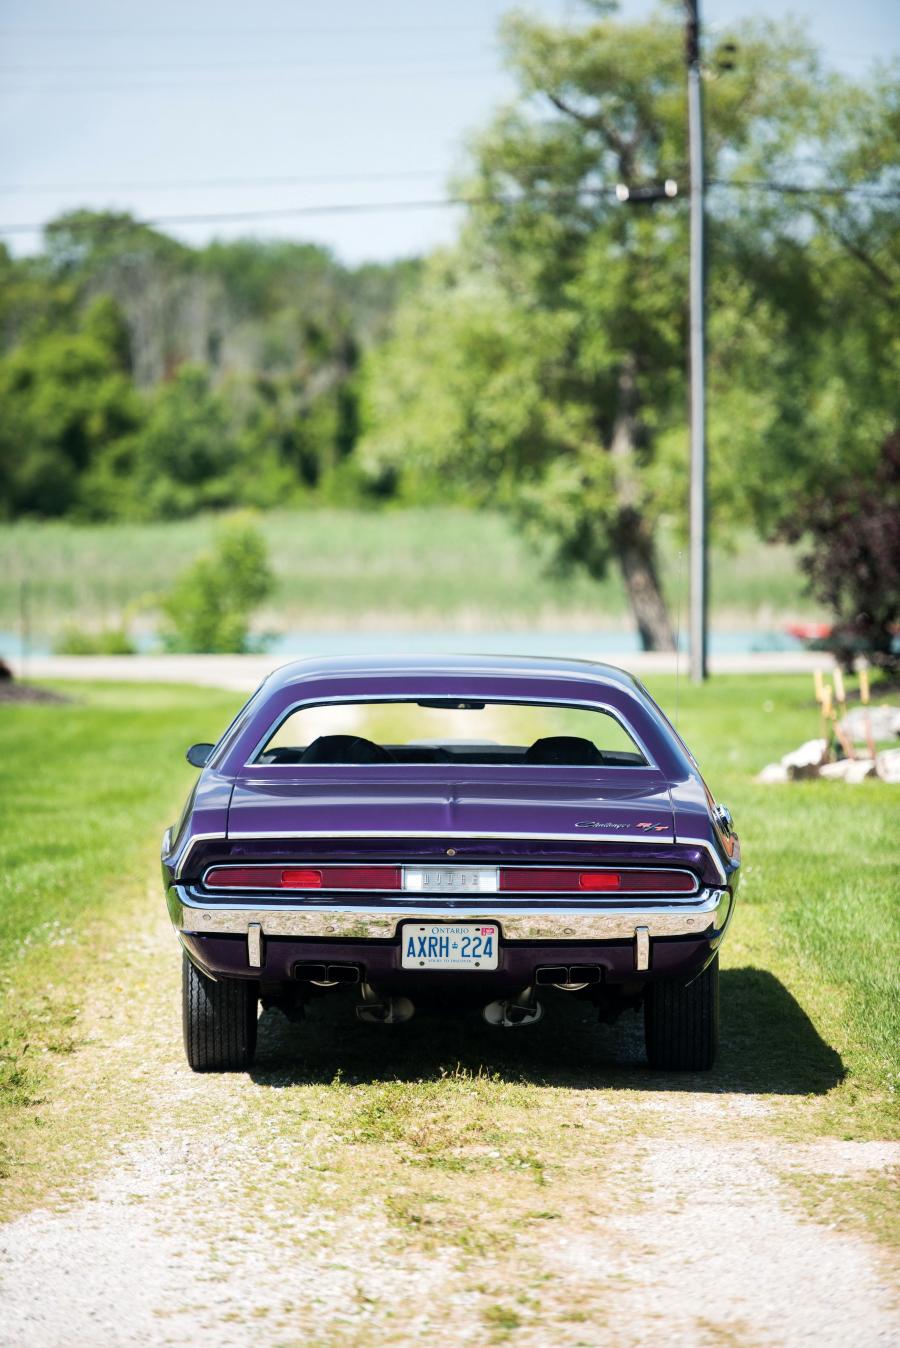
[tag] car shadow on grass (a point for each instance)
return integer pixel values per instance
(769, 1046)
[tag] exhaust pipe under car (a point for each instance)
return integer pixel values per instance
(377, 1010)
(523, 1009)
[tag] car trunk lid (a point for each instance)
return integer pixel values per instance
(604, 807)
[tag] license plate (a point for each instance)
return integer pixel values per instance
(451, 879)
(445, 945)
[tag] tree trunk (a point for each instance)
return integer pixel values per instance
(632, 533)
(636, 553)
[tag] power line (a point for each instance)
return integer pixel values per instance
(176, 184)
(316, 73)
(806, 190)
(342, 30)
(188, 67)
(378, 176)
(440, 203)
(337, 208)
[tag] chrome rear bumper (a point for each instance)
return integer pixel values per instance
(706, 913)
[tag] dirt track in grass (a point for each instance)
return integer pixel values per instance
(438, 1180)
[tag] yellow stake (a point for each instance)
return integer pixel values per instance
(864, 699)
(864, 684)
(839, 694)
(840, 697)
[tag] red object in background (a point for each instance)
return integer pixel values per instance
(809, 631)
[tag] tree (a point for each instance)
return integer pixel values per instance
(182, 459)
(209, 607)
(853, 560)
(66, 397)
(544, 361)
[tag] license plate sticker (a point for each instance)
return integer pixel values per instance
(446, 945)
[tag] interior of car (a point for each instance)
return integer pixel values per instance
(546, 751)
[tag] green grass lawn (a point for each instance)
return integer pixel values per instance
(820, 894)
(86, 788)
(809, 986)
(417, 567)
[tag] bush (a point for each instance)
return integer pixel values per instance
(208, 608)
(112, 641)
(854, 560)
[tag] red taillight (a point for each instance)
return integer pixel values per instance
(542, 880)
(301, 880)
(245, 877)
(600, 880)
(303, 877)
(361, 877)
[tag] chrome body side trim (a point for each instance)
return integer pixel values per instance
(189, 845)
(668, 841)
(709, 912)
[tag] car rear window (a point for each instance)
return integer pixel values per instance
(450, 730)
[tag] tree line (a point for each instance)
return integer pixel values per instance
(141, 378)
(540, 364)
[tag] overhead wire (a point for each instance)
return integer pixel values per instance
(446, 202)
(179, 184)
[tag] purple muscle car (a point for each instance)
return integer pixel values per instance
(465, 831)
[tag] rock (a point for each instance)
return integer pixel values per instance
(805, 761)
(850, 770)
(885, 723)
(887, 765)
(773, 773)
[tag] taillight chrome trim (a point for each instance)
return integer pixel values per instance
(399, 868)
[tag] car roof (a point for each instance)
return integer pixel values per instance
(475, 666)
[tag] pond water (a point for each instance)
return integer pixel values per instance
(524, 641)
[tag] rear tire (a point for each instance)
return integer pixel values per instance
(219, 1021)
(681, 1022)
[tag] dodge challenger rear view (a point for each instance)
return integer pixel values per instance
(455, 831)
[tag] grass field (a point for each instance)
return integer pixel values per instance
(422, 567)
(439, 1179)
(87, 786)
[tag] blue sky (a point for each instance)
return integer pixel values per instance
(200, 107)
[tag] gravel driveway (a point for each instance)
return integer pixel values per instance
(439, 1180)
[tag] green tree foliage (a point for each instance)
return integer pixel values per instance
(210, 605)
(142, 378)
(66, 396)
(543, 363)
(182, 458)
(854, 562)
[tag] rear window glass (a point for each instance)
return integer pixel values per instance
(443, 730)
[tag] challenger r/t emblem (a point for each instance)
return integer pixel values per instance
(645, 825)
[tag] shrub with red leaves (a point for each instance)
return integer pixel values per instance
(854, 563)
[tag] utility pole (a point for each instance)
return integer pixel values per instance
(698, 567)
